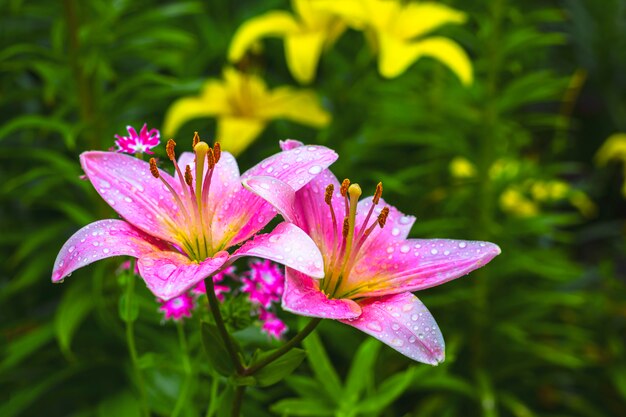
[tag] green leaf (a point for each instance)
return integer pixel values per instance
(362, 368)
(323, 369)
(280, 368)
(389, 390)
(123, 404)
(71, 312)
(216, 351)
(128, 310)
(302, 407)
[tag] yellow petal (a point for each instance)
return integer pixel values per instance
(236, 133)
(416, 19)
(353, 12)
(614, 148)
(213, 101)
(396, 56)
(275, 23)
(301, 106)
(303, 53)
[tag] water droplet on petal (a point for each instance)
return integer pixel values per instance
(71, 249)
(434, 251)
(414, 317)
(397, 342)
(462, 245)
(395, 231)
(395, 326)
(375, 326)
(405, 249)
(315, 169)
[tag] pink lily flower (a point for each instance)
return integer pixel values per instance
(370, 267)
(177, 307)
(140, 142)
(180, 229)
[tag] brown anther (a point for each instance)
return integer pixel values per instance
(217, 151)
(346, 227)
(329, 193)
(382, 217)
(344, 187)
(196, 139)
(210, 157)
(169, 149)
(153, 168)
(378, 193)
(188, 177)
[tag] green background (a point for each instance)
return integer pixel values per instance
(540, 331)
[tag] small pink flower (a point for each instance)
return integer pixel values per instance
(264, 283)
(125, 266)
(220, 290)
(272, 325)
(177, 307)
(138, 143)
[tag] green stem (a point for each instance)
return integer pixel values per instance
(130, 341)
(284, 348)
(239, 391)
(214, 386)
(182, 397)
(221, 327)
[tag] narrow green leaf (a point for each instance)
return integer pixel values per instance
(71, 312)
(123, 404)
(215, 350)
(362, 368)
(280, 368)
(388, 392)
(322, 367)
(302, 407)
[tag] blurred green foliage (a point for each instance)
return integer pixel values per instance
(541, 331)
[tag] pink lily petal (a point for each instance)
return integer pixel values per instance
(169, 274)
(396, 228)
(404, 323)
(314, 218)
(287, 244)
(126, 184)
(279, 194)
(99, 240)
(303, 296)
(295, 167)
(416, 264)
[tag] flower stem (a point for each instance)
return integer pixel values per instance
(238, 400)
(284, 348)
(221, 327)
(130, 341)
(182, 397)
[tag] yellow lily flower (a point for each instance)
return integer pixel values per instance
(397, 32)
(613, 149)
(305, 35)
(243, 106)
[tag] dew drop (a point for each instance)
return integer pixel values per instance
(265, 186)
(447, 252)
(395, 326)
(375, 326)
(462, 245)
(412, 339)
(395, 231)
(405, 249)
(128, 199)
(434, 251)
(106, 250)
(315, 169)
(71, 249)
(397, 342)
(414, 317)
(405, 220)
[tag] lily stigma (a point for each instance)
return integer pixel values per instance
(370, 267)
(181, 228)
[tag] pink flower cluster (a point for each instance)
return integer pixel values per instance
(264, 284)
(140, 142)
